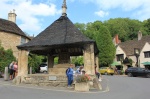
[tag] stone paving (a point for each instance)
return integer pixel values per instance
(104, 84)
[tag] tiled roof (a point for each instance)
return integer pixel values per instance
(129, 46)
(8, 26)
(61, 32)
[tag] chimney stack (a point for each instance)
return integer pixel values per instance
(139, 35)
(12, 16)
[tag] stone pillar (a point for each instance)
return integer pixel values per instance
(22, 66)
(6, 75)
(89, 62)
(64, 57)
(30, 70)
(50, 62)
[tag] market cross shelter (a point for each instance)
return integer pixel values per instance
(61, 39)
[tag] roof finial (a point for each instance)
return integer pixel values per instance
(64, 8)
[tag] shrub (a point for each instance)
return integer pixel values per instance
(81, 78)
(34, 61)
(6, 57)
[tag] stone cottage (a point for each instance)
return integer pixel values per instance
(10, 34)
(127, 49)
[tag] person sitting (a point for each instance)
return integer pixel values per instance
(97, 73)
(84, 73)
(78, 71)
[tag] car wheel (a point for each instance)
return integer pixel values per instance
(130, 75)
(148, 75)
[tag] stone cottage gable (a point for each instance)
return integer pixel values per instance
(129, 46)
(146, 48)
(119, 50)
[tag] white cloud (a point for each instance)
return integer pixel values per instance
(28, 12)
(125, 5)
(102, 13)
(139, 9)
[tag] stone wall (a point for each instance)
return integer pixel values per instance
(46, 80)
(10, 41)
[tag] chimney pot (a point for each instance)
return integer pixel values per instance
(139, 35)
(12, 16)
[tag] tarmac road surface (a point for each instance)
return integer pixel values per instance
(119, 87)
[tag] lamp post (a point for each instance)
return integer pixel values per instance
(137, 54)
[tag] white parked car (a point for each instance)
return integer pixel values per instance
(43, 68)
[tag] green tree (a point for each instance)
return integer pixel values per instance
(6, 57)
(92, 29)
(126, 28)
(78, 60)
(105, 46)
(81, 27)
(34, 61)
(98, 32)
(56, 60)
(146, 25)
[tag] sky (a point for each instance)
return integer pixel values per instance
(33, 16)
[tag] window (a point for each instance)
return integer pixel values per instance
(120, 57)
(23, 40)
(147, 54)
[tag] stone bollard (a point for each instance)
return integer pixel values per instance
(6, 75)
(30, 70)
(96, 84)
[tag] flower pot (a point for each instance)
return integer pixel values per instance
(82, 86)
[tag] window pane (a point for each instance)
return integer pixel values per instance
(120, 57)
(147, 54)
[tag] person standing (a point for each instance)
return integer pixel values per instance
(11, 70)
(15, 69)
(69, 74)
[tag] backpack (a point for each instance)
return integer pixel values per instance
(67, 71)
(10, 66)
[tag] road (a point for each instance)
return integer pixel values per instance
(120, 87)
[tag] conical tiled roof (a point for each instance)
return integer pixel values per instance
(61, 32)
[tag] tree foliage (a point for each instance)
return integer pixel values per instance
(78, 60)
(105, 46)
(146, 25)
(6, 57)
(34, 61)
(126, 28)
(98, 32)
